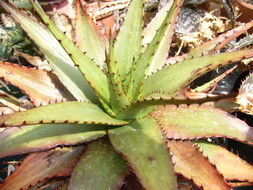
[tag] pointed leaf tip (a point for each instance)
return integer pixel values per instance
(67, 112)
(189, 69)
(58, 58)
(46, 88)
(193, 122)
(226, 161)
(26, 139)
(38, 166)
(88, 37)
(130, 35)
(190, 162)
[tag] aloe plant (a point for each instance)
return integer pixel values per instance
(121, 105)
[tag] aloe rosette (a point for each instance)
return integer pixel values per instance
(115, 106)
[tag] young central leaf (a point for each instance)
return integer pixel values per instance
(118, 98)
(140, 68)
(128, 42)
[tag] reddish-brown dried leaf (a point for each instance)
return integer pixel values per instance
(190, 162)
(226, 162)
(41, 86)
(38, 166)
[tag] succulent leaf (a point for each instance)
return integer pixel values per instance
(196, 121)
(140, 68)
(99, 156)
(59, 60)
(226, 104)
(88, 38)
(93, 75)
(119, 90)
(167, 80)
(242, 43)
(11, 103)
(212, 46)
(67, 112)
(151, 29)
(46, 88)
(128, 43)
(163, 48)
(118, 98)
(141, 108)
(25, 139)
(142, 144)
(209, 86)
(217, 43)
(226, 162)
(38, 166)
(190, 162)
(8, 106)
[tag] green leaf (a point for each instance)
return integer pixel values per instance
(67, 112)
(39, 166)
(140, 68)
(193, 165)
(142, 144)
(177, 76)
(46, 88)
(141, 108)
(161, 53)
(88, 37)
(100, 168)
(19, 140)
(226, 161)
(59, 60)
(96, 78)
(118, 98)
(151, 29)
(128, 42)
(196, 122)
(138, 110)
